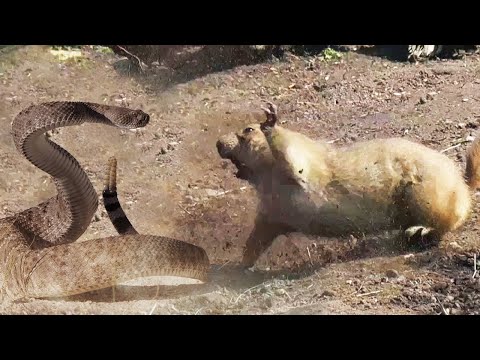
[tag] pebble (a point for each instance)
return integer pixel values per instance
(439, 286)
(328, 293)
(269, 302)
(454, 246)
(391, 273)
(211, 192)
(456, 312)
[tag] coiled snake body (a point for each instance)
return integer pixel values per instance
(38, 256)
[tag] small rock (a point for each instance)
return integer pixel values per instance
(391, 273)
(456, 312)
(422, 100)
(450, 298)
(454, 246)
(163, 151)
(464, 99)
(328, 293)
(96, 218)
(269, 302)
(461, 125)
(440, 286)
(211, 192)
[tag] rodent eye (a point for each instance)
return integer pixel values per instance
(248, 130)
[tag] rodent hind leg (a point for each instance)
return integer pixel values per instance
(413, 230)
(413, 216)
(421, 237)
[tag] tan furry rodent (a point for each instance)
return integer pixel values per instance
(315, 187)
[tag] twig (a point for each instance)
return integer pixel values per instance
(221, 267)
(333, 141)
(474, 265)
(181, 207)
(249, 289)
(451, 147)
(455, 146)
(221, 193)
(444, 311)
(153, 309)
(140, 63)
(196, 312)
(359, 289)
(369, 293)
(288, 295)
(309, 257)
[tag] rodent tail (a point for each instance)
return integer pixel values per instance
(472, 170)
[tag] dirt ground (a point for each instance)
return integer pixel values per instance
(172, 181)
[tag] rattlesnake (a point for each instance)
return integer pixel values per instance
(38, 255)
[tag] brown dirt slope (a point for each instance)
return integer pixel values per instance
(172, 182)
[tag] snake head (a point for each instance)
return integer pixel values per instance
(132, 119)
(142, 118)
(122, 117)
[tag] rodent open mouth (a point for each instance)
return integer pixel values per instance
(243, 172)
